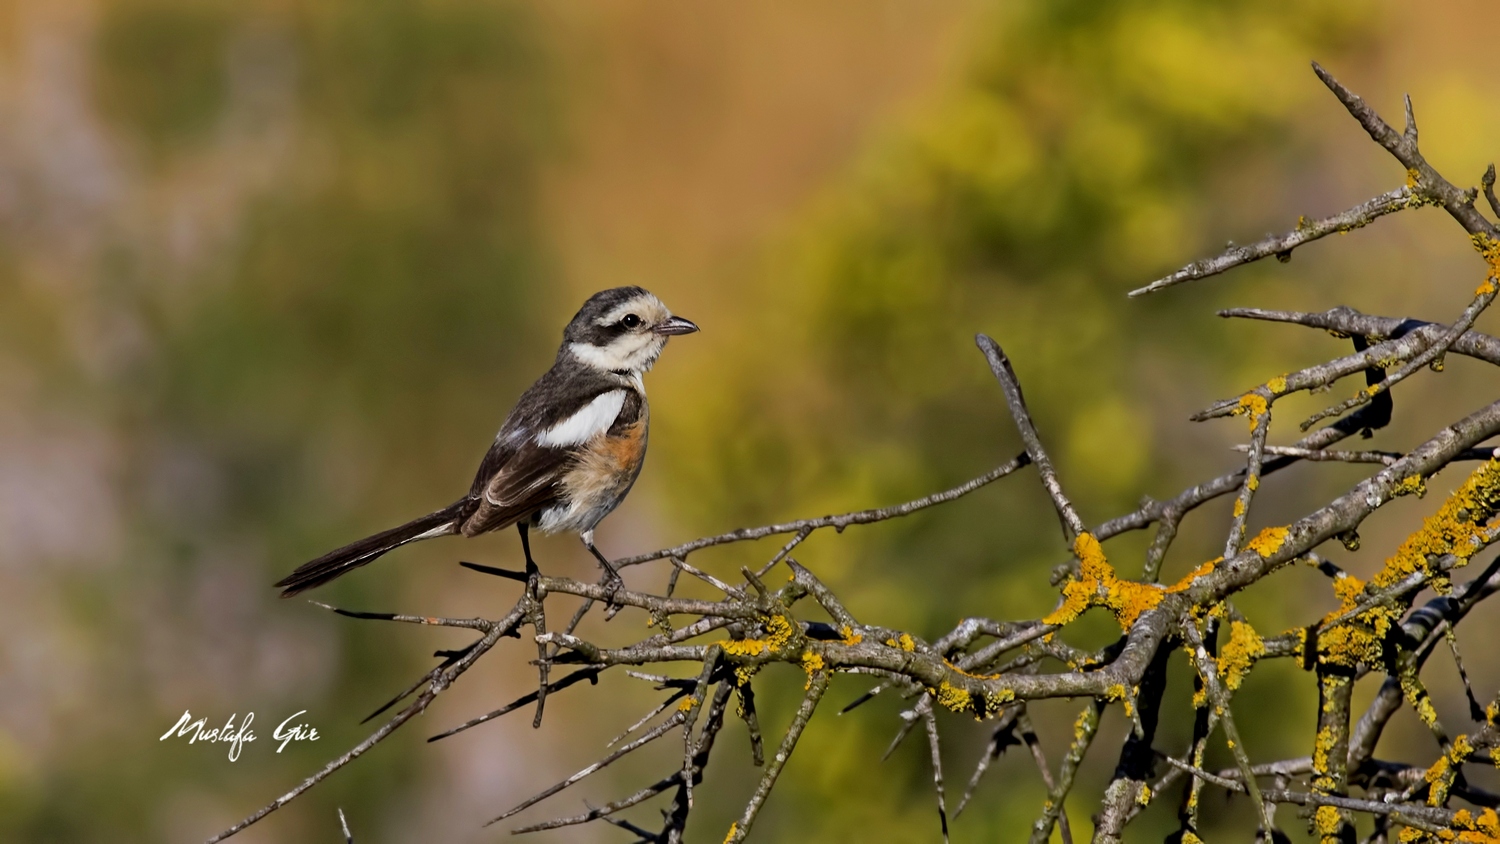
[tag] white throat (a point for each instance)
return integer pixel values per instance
(630, 355)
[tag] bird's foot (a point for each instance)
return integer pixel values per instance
(533, 580)
(613, 585)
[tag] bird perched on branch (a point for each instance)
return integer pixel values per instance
(568, 452)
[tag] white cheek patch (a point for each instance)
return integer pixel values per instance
(629, 353)
(593, 419)
(607, 358)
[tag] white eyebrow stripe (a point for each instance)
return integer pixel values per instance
(619, 311)
(593, 419)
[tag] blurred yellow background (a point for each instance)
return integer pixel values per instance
(272, 273)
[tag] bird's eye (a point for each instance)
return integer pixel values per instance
(631, 321)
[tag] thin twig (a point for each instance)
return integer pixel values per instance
(597, 812)
(1485, 295)
(1011, 387)
(1429, 184)
(1084, 729)
(1003, 735)
(817, 684)
(695, 703)
(838, 523)
(1488, 182)
(1384, 458)
(1220, 697)
(1034, 744)
(480, 624)
(589, 674)
(1423, 817)
(935, 747)
(675, 696)
(1260, 425)
(649, 736)
(1281, 245)
(1347, 321)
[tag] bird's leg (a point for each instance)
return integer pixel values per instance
(615, 581)
(533, 572)
(538, 619)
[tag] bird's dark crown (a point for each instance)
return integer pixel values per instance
(597, 306)
(585, 326)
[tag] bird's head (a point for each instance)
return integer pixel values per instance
(622, 330)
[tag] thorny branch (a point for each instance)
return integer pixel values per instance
(991, 669)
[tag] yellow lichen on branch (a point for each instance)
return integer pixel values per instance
(905, 642)
(1467, 828)
(812, 663)
(1253, 405)
(954, 698)
(1442, 773)
(959, 699)
(1097, 585)
(1240, 653)
(1268, 541)
(1187, 580)
(779, 634)
(1323, 745)
(1328, 820)
(1416, 695)
(956, 670)
(1458, 528)
(1411, 485)
(1489, 249)
(1358, 639)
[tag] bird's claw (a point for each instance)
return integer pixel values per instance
(533, 580)
(614, 584)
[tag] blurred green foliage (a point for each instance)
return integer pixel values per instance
(161, 68)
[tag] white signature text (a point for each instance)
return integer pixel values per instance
(237, 736)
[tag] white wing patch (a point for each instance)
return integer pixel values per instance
(593, 419)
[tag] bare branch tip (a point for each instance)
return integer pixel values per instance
(1488, 183)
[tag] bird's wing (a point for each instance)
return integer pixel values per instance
(521, 473)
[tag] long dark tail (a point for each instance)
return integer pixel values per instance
(352, 556)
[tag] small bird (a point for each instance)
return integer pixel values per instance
(567, 454)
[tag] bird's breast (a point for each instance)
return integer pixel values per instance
(608, 464)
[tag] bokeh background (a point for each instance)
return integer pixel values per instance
(271, 274)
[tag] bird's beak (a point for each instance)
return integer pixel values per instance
(675, 325)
